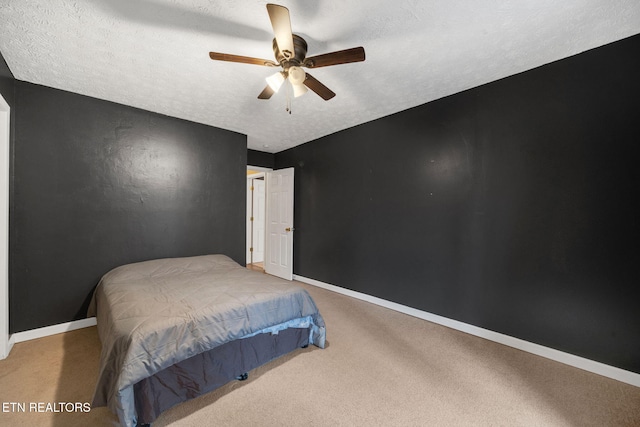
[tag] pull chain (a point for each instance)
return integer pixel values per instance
(288, 107)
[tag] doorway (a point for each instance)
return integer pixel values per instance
(256, 217)
(270, 221)
(5, 126)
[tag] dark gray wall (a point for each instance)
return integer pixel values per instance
(7, 89)
(512, 206)
(99, 184)
(7, 82)
(260, 158)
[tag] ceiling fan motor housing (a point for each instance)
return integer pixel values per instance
(300, 48)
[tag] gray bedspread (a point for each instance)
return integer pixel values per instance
(154, 314)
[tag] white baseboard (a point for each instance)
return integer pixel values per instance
(6, 348)
(53, 330)
(549, 353)
(10, 344)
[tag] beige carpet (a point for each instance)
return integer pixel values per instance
(380, 368)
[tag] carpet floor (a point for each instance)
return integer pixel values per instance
(380, 368)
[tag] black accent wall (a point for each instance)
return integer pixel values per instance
(512, 206)
(7, 90)
(260, 158)
(98, 184)
(7, 82)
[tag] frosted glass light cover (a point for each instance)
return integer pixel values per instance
(299, 90)
(275, 80)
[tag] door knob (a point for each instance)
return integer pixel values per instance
(289, 229)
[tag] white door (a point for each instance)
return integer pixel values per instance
(5, 343)
(279, 249)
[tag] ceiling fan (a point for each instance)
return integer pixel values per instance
(290, 51)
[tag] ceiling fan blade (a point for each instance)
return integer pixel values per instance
(243, 59)
(323, 91)
(346, 56)
(281, 23)
(266, 93)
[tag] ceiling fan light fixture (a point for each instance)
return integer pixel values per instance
(299, 90)
(297, 75)
(275, 80)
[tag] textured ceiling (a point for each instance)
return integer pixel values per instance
(153, 54)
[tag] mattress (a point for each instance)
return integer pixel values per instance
(154, 314)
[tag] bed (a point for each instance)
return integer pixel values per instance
(173, 329)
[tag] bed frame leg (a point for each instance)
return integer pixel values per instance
(242, 377)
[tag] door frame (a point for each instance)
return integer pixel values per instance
(262, 172)
(6, 341)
